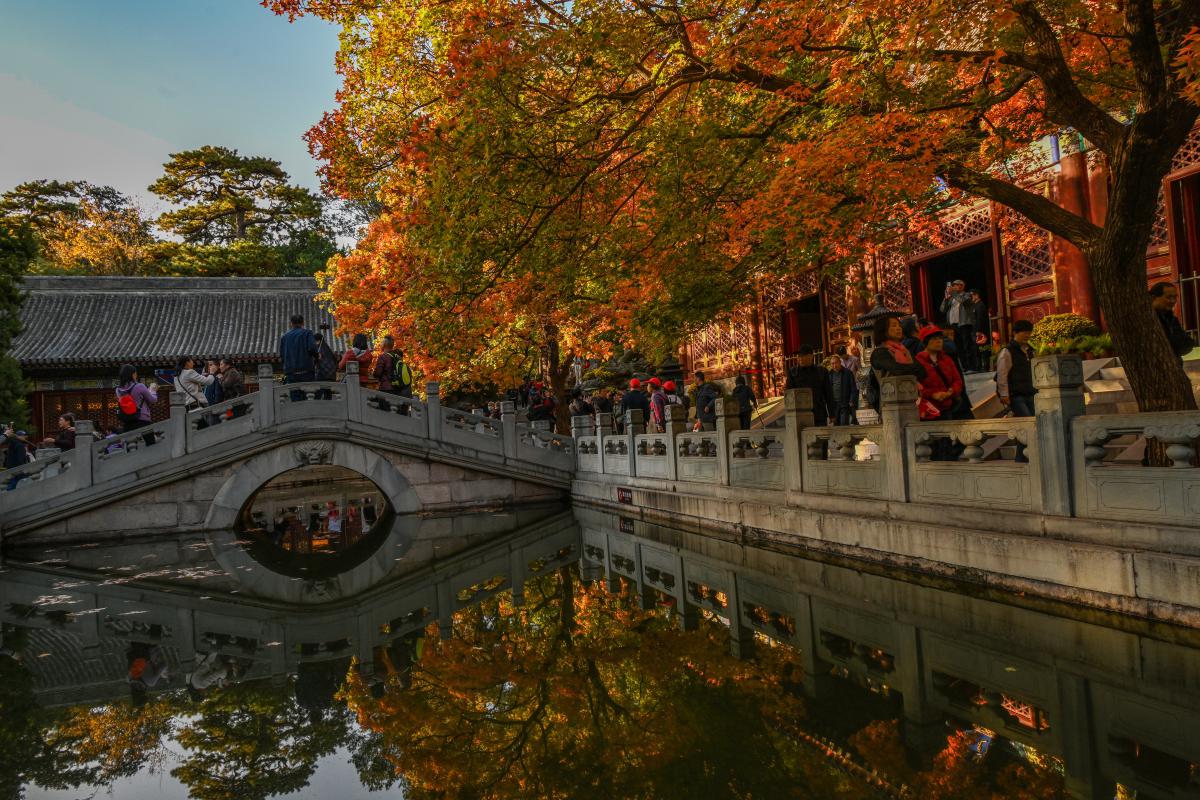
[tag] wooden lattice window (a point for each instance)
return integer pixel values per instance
(957, 225)
(892, 270)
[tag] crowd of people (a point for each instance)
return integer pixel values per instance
(939, 357)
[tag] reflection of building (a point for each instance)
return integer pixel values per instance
(1020, 274)
(78, 331)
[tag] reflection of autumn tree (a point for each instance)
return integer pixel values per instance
(956, 774)
(590, 697)
(251, 741)
(96, 746)
(19, 730)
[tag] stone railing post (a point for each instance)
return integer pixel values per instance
(581, 426)
(635, 425)
(354, 395)
(797, 415)
(1059, 399)
(266, 396)
(508, 427)
(897, 410)
(177, 425)
(604, 430)
(433, 412)
(727, 423)
(676, 424)
(81, 466)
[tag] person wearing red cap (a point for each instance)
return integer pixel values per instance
(636, 398)
(942, 387)
(658, 406)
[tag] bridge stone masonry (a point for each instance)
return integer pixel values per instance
(1047, 506)
(204, 465)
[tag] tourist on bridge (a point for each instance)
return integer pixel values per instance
(843, 392)
(232, 383)
(1163, 297)
(360, 351)
(635, 398)
(213, 392)
(747, 402)
(909, 327)
(298, 351)
(889, 357)
(808, 374)
(191, 384)
(706, 403)
(135, 400)
(393, 374)
(325, 364)
(16, 452)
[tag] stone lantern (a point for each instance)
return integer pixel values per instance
(865, 326)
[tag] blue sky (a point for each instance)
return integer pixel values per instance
(104, 90)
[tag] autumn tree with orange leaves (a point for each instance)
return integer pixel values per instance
(599, 169)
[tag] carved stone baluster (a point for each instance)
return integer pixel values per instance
(973, 439)
(1179, 439)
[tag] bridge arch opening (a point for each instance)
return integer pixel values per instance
(315, 521)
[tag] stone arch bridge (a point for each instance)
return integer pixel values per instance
(204, 465)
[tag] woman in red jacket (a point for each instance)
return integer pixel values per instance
(360, 352)
(942, 388)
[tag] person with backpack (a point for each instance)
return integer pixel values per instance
(394, 376)
(676, 399)
(135, 400)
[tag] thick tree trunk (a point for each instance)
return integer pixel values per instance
(1155, 375)
(1118, 261)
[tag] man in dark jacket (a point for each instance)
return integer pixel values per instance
(636, 398)
(983, 325)
(298, 349)
(325, 363)
(808, 374)
(843, 393)
(1163, 297)
(706, 403)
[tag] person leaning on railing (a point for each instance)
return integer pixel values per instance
(890, 358)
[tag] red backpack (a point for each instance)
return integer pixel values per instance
(127, 407)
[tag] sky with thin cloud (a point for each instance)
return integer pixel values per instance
(105, 90)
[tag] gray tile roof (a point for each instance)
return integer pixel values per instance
(82, 322)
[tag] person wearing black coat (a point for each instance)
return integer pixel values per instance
(1163, 297)
(636, 398)
(843, 393)
(810, 375)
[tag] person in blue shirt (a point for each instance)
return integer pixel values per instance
(298, 349)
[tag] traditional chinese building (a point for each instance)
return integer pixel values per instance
(79, 330)
(1045, 276)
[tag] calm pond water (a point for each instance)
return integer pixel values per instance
(333, 649)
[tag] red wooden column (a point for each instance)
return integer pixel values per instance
(1076, 290)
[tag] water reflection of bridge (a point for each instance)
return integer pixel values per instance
(1115, 700)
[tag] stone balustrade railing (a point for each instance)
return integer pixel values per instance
(288, 409)
(1059, 462)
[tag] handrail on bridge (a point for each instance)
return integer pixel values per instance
(320, 406)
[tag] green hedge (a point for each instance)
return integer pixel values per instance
(1060, 327)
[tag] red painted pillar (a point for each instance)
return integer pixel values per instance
(1076, 291)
